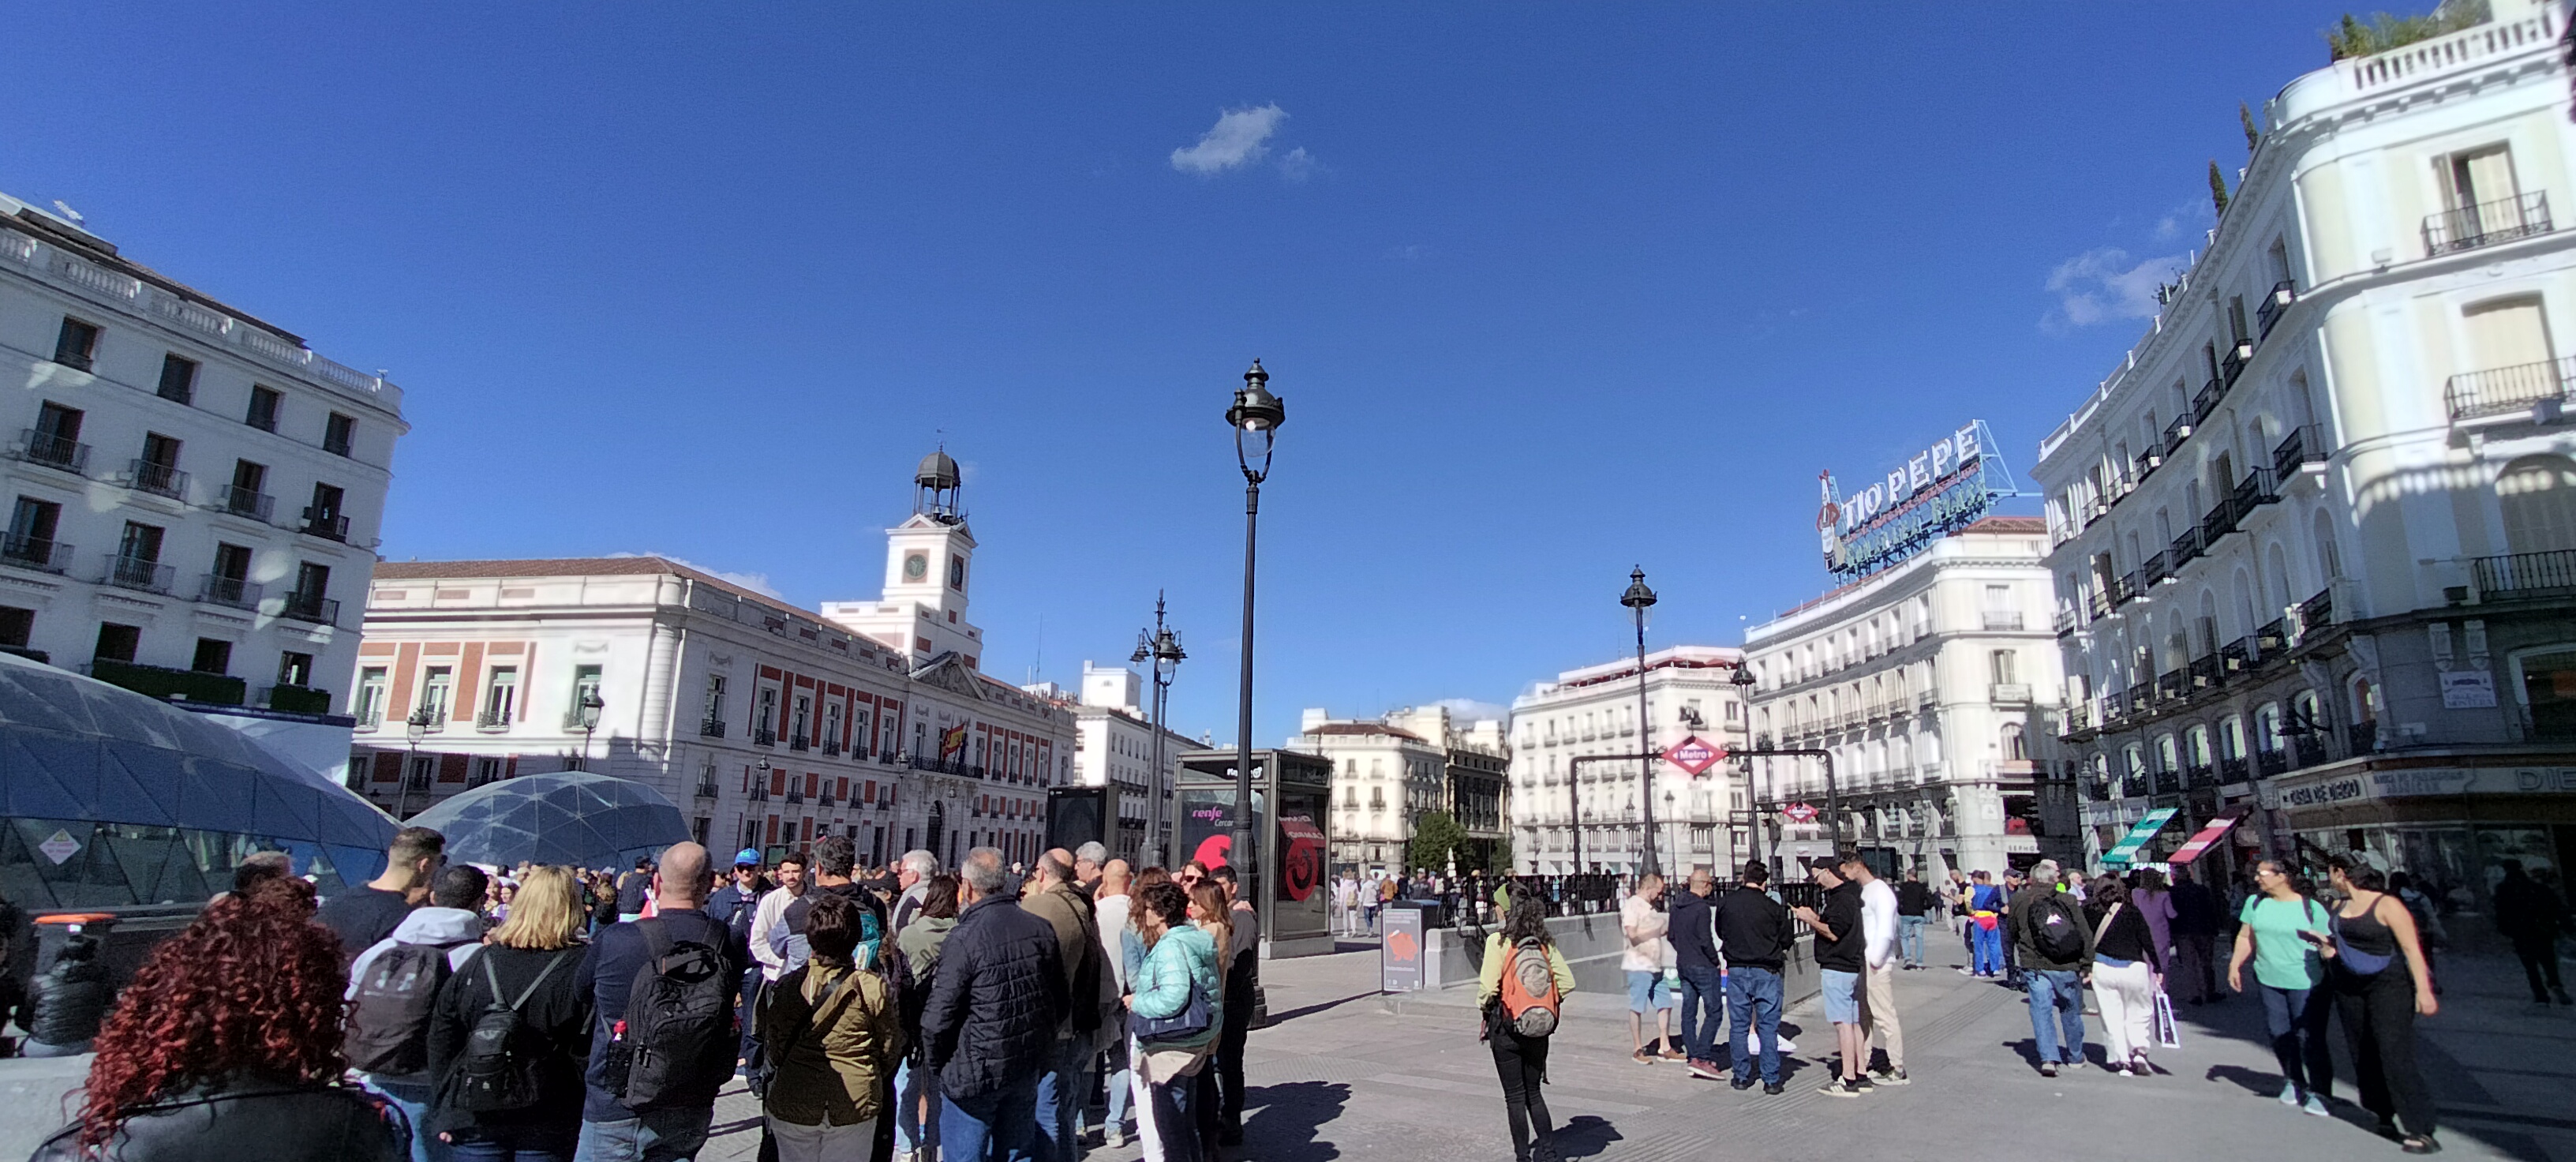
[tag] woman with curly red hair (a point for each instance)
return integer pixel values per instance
(227, 1045)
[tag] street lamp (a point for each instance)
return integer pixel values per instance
(1744, 683)
(759, 791)
(1255, 418)
(1161, 647)
(589, 708)
(414, 727)
(1638, 598)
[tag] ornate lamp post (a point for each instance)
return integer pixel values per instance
(1744, 683)
(1161, 647)
(1255, 418)
(1638, 599)
(589, 709)
(414, 728)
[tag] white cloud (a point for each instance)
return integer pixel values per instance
(756, 582)
(2190, 215)
(2102, 285)
(1465, 710)
(1239, 138)
(1297, 165)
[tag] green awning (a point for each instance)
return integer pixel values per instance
(2127, 850)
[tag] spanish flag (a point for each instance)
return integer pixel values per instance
(953, 740)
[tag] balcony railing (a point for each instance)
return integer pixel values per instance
(2231, 770)
(2124, 589)
(2177, 432)
(2525, 574)
(35, 553)
(328, 525)
(312, 607)
(2305, 445)
(2274, 305)
(2307, 751)
(831, 749)
(763, 736)
(158, 478)
(53, 451)
(2271, 762)
(2009, 693)
(218, 589)
(2233, 363)
(795, 794)
(249, 502)
(2185, 547)
(2317, 612)
(141, 573)
(2063, 622)
(711, 728)
(2003, 619)
(2238, 656)
(492, 719)
(2255, 489)
(2487, 223)
(796, 742)
(163, 683)
(2207, 673)
(2361, 738)
(2220, 521)
(2173, 683)
(2506, 390)
(2098, 603)
(2156, 568)
(2198, 776)
(706, 789)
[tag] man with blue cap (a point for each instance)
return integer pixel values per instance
(734, 905)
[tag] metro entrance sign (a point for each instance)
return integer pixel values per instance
(1695, 754)
(1799, 813)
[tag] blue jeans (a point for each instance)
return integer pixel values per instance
(2296, 1020)
(1910, 937)
(1001, 1125)
(2060, 994)
(1703, 992)
(653, 1136)
(1989, 946)
(1121, 1086)
(912, 1082)
(414, 1101)
(1062, 1091)
(1753, 1006)
(528, 1145)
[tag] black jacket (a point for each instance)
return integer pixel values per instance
(270, 1121)
(995, 999)
(68, 1002)
(1755, 928)
(1693, 931)
(556, 1020)
(2195, 910)
(1846, 951)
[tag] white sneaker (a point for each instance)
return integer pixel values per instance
(2290, 1094)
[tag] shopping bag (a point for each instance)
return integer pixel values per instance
(2168, 1033)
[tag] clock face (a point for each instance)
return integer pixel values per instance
(915, 567)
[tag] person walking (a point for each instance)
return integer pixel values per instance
(2532, 916)
(2381, 982)
(2195, 938)
(1693, 931)
(229, 1047)
(995, 1000)
(649, 1090)
(1753, 931)
(1174, 1012)
(916, 1087)
(2280, 932)
(1879, 916)
(363, 915)
(521, 987)
(2053, 944)
(1523, 971)
(1062, 1087)
(1642, 960)
(2128, 972)
(1913, 914)
(393, 994)
(833, 1034)
(1840, 957)
(2153, 902)
(1984, 904)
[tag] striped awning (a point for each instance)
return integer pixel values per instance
(2207, 837)
(2127, 850)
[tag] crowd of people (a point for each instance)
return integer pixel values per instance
(540, 1013)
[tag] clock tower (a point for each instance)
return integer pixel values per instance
(930, 569)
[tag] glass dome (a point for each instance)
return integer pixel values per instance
(574, 817)
(110, 797)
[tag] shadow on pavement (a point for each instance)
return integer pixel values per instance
(1585, 1137)
(2260, 1084)
(1318, 1007)
(1283, 1119)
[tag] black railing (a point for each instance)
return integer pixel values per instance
(2271, 762)
(706, 789)
(2273, 638)
(311, 607)
(2274, 304)
(797, 742)
(53, 451)
(2318, 611)
(492, 719)
(711, 728)
(795, 794)
(2063, 621)
(2220, 521)
(35, 553)
(2207, 673)
(2525, 574)
(2255, 489)
(233, 591)
(249, 502)
(2124, 589)
(2486, 223)
(831, 749)
(142, 573)
(2156, 568)
(2186, 546)
(2307, 750)
(162, 479)
(2506, 390)
(2098, 603)
(2144, 466)
(2173, 683)
(323, 523)
(763, 736)
(2198, 776)
(2361, 738)
(2177, 432)
(2305, 445)
(2206, 399)
(2232, 364)
(2168, 782)
(2238, 656)
(2231, 770)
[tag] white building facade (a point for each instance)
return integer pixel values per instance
(1385, 778)
(1933, 685)
(1591, 713)
(1113, 746)
(2316, 536)
(192, 492)
(768, 725)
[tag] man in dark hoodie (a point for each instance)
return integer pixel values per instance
(1695, 953)
(1753, 931)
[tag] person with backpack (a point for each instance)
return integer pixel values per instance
(2053, 944)
(393, 988)
(1983, 904)
(1521, 990)
(662, 1031)
(633, 889)
(367, 913)
(832, 1033)
(1173, 1016)
(67, 1001)
(1753, 930)
(512, 1030)
(2381, 982)
(2280, 931)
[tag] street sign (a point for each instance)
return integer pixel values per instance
(1799, 813)
(1695, 754)
(1399, 955)
(61, 847)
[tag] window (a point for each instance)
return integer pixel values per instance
(336, 433)
(435, 690)
(56, 441)
(178, 379)
(804, 711)
(369, 706)
(116, 643)
(31, 534)
(2507, 333)
(2475, 178)
(214, 656)
(16, 625)
(138, 558)
(585, 686)
(76, 344)
(264, 403)
(158, 470)
(2538, 498)
(312, 581)
(500, 697)
(243, 498)
(324, 519)
(488, 770)
(294, 669)
(2002, 662)
(2549, 690)
(715, 697)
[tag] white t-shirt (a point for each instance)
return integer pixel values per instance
(1644, 927)
(1878, 921)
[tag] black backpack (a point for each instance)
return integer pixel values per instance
(679, 1037)
(2055, 929)
(388, 1029)
(497, 1069)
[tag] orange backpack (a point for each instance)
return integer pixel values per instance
(1530, 998)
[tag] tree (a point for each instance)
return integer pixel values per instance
(1435, 837)
(2217, 187)
(1500, 861)
(2245, 117)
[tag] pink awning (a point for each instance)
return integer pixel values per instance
(2207, 837)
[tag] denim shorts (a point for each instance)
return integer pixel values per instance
(1842, 997)
(1647, 992)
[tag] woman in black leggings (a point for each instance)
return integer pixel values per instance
(1523, 971)
(2381, 983)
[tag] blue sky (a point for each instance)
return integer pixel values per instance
(1550, 290)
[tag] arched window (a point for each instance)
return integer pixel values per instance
(2196, 748)
(2329, 560)
(2134, 772)
(2231, 738)
(2167, 758)
(2267, 728)
(2014, 750)
(2538, 496)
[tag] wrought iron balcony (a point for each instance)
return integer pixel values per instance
(159, 479)
(711, 728)
(2307, 751)
(2231, 770)
(797, 742)
(2098, 603)
(2305, 445)
(492, 719)
(2273, 638)
(706, 788)
(2173, 683)
(2255, 489)
(2237, 656)
(2157, 567)
(35, 553)
(2168, 782)
(312, 607)
(795, 793)
(2175, 433)
(140, 573)
(2185, 547)
(2220, 521)
(762, 736)
(2271, 762)
(2232, 364)
(329, 526)
(2207, 673)
(2522, 575)
(53, 451)
(2361, 738)
(2317, 611)
(2486, 223)
(2063, 622)
(2283, 293)
(217, 589)
(831, 749)
(2548, 386)
(2124, 589)
(2003, 619)
(249, 502)
(823, 800)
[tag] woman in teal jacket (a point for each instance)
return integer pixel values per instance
(1179, 965)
